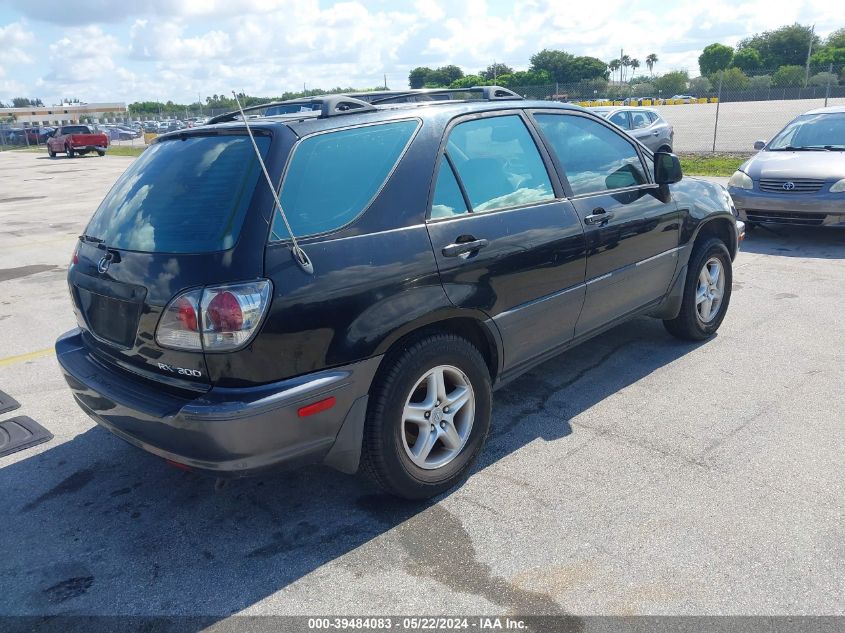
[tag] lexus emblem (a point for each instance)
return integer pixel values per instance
(103, 264)
(789, 185)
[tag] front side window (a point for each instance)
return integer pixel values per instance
(448, 199)
(333, 177)
(594, 157)
(498, 164)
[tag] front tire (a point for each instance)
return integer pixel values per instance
(51, 153)
(428, 416)
(707, 292)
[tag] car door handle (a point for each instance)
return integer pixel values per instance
(656, 132)
(460, 248)
(598, 216)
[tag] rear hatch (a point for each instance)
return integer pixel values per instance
(182, 216)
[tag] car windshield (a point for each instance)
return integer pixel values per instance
(186, 195)
(811, 132)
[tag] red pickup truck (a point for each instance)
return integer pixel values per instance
(76, 139)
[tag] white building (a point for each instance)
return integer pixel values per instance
(62, 114)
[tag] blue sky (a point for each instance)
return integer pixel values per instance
(135, 50)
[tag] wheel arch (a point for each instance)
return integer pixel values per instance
(476, 327)
(722, 227)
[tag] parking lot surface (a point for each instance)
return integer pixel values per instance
(635, 474)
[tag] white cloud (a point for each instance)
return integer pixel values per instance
(15, 39)
(169, 49)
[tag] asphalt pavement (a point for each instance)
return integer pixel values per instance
(635, 474)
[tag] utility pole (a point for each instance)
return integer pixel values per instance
(494, 71)
(385, 81)
(809, 52)
(199, 100)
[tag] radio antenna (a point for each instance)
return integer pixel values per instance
(299, 255)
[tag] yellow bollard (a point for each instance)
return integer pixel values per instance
(714, 99)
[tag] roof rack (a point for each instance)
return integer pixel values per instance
(337, 104)
(328, 105)
(488, 93)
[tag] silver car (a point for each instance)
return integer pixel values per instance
(799, 176)
(644, 124)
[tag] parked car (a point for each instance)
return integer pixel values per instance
(644, 124)
(35, 135)
(685, 98)
(76, 139)
(799, 176)
(209, 336)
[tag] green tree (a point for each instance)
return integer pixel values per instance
(760, 82)
(836, 39)
(495, 70)
(714, 58)
(634, 64)
(747, 60)
(614, 65)
(672, 83)
(24, 102)
(786, 46)
(566, 68)
(828, 55)
(789, 76)
(624, 62)
(700, 85)
(468, 81)
(650, 61)
(732, 79)
(417, 77)
(822, 79)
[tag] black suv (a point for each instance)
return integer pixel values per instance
(443, 249)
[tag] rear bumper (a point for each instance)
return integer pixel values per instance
(224, 431)
(818, 209)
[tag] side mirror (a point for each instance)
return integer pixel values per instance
(667, 168)
(758, 145)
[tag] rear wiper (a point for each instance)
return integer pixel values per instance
(91, 238)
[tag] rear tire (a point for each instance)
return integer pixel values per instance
(414, 446)
(707, 292)
(51, 153)
(69, 152)
(100, 153)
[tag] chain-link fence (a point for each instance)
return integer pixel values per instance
(723, 113)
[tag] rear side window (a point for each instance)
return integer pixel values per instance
(498, 164)
(333, 177)
(620, 119)
(639, 119)
(594, 157)
(186, 195)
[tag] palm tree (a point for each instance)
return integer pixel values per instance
(614, 66)
(650, 61)
(635, 63)
(625, 61)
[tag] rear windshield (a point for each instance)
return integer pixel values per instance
(185, 195)
(76, 129)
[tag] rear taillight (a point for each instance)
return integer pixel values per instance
(231, 314)
(215, 319)
(179, 324)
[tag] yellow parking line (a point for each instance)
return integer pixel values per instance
(11, 360)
